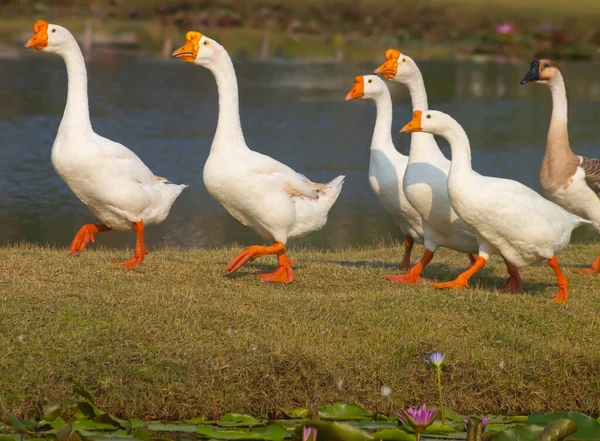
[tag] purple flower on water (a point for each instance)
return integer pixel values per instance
(310, 434)
(484, 422)
(505, 28)
(418, 419)
(436, 360)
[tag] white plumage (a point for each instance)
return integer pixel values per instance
(425, 182)
(387, 166)
(260, 192)
(509, 218)
(111, 180)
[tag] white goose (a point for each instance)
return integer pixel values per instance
(107, 177)
(387, 165)
(260, 192)
(572, 181)
(426, 182)
(510, 219)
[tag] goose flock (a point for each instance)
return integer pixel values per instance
(435, 201)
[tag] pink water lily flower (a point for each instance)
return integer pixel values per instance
(484, 422)
(418, 419)
(310, 434)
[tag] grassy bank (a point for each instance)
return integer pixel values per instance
(318, 30)
(176, 339)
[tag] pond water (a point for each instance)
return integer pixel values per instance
(167, 111)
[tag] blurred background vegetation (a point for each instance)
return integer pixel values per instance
(322, 29)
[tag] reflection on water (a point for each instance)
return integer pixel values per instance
(167, 114)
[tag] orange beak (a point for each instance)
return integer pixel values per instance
(40, 38)
(414, 125)
(358, 91)
(189, 51)
(390, 67)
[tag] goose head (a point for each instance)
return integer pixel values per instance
(366, 86)
(199, 49)
(430, 121)
(49, 37)
(397, 66)
(541, 71)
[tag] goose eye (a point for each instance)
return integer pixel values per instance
(205, 42)
(546, 64)
(428, 116)
(404, 60)
(53, 30)
(370, 81)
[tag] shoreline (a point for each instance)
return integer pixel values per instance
(524, 35)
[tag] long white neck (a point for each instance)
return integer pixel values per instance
(418, 94)
(382, 136)
(423, 147)
(77, 113)
(461, 149)
(229, 135)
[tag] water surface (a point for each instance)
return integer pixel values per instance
(167, 113)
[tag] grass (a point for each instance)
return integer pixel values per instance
(176, 339)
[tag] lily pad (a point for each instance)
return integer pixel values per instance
(393, 435)
(197, 421)
(439, 428)
(91, 425)
(297, 413)
(117, 434)
(238, 420)
(374, 425)
(496, 427)
(172, 427)
(557, 430)
(273, 432)
(343, 412)
(452, 415)
(52, 427)
(335, 431)
(523, 432)
(588, 429)
(134, 423)
(109, 419)
(500, 419)
(143, 434)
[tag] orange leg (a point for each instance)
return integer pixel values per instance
(284, 272)
(514, 283)
(594, 269)
(414, 275)
(408, 246)
(462, 281)
(84, 235)
(563, 291)
(140, 248)
(472, 259)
